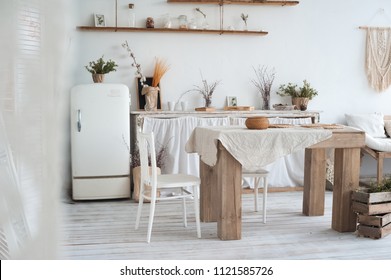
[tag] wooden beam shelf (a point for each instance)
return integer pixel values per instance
(224, 2)
(219, 31)
(172, 30)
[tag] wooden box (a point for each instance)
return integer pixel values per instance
(373, 213)
(371, 203)
(376, 226)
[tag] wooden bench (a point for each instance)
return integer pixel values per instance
(379, 156)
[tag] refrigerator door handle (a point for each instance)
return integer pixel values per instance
(79, 120)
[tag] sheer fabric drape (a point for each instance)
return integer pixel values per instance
(32, 101)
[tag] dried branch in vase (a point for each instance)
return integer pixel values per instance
(135, 64)
(244, 18)
(201, 12)
(162, 152)
(263, 82)
(206, 90)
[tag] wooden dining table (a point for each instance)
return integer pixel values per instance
(221, 170)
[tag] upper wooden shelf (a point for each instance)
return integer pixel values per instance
(223, 2)
(200, 31)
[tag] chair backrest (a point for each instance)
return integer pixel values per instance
(147, 159)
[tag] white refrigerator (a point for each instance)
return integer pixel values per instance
(100, 141)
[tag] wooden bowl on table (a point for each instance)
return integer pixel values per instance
(257, 123)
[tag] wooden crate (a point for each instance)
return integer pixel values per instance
(375, 226)
(371, 203)
(373, 213)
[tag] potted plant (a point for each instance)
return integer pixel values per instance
(300, 96)
(99, 68)
(206, 90)
(373, 208)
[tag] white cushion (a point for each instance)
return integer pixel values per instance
(372, 124)
(379, 144)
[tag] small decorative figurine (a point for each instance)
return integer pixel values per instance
(150, 22)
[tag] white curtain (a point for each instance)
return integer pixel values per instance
(33, 97)
(174, 133)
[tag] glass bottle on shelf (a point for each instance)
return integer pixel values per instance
(182, 22)
(131, 16)
(167, 23)
(202, 22)
(192, 24)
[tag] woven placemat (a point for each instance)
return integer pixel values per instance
(323, 125)
(280, 125)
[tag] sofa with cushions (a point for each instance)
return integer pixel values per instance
(377, 129)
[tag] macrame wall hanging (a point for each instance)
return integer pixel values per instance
(378, 56)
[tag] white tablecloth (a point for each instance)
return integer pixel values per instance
(254, 149)
(173, 133)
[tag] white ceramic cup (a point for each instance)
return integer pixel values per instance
(171, 105)
(184, 105)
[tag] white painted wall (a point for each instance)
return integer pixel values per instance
(315, 40)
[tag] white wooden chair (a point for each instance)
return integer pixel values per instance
(259, 175)
(151, 182)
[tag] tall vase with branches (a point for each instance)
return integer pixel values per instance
(150, 91)
(263, 82)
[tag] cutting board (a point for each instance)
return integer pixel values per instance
(238, 108)
(206, 109)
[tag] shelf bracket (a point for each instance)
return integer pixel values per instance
(221, 4)
(116, 14)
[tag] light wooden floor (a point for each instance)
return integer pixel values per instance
(105, 230)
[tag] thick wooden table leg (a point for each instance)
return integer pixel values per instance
(209, 210)
(346, 179)
(229, 185)
(314, 182)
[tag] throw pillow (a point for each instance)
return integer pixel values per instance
(387, 126)
(373, 124)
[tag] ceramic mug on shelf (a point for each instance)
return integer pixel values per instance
(171, 105)
(184, 105)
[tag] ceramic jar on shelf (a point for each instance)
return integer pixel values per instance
(182, 21)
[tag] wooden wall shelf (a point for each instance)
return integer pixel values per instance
(171, 30)
(220, 31)
(224, 2)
